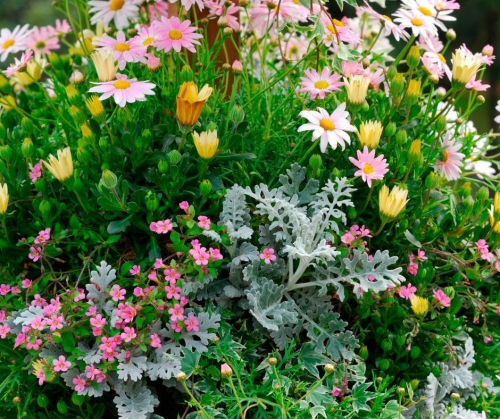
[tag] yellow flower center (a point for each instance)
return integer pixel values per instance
(444, 156)
(387, 18)
(425, 11)
(294, 50)
(175, 35)
(8, 43)
(116, 5)
(121, 84)
(338, 23)
(122, 47)
(417, 22)
(327, 124)
(440, 56)
(321, 84)
(296, 1)
(148, 41)
(40, 45)
(367, 168)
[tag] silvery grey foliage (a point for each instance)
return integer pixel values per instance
(456, 377)
(99, 281)
(23, 317)
(135, 401)
(301, 223)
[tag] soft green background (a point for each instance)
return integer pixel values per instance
(478, 24)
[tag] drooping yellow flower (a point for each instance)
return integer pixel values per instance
(419, 305)
(4, 198)
(465, 66)
(34, 70)
(206, 143)
(62, 166)
(391, 205)
(356, 87)
(104, 63)
(369, 134)
(190, 102)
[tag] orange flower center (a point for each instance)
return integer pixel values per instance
(417, 22)
(121, 84)
(425, 11)
(444, 156)
(441, 57)
(175, 35)
(122, 47)
(321, 84)
(116, 5)
(8, 43)
(367, 168)
(148, 41)
(327, 124)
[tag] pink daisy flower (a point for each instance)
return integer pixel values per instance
(144, 38)
(332, 129)
(264, 13)
(294, 47)
(120, 11)
(123, 51)
(441, 298)
(319, 84)
(187, 4)
(450, 161)
(407, 292)
(174, 34)
(20, 65)
(217, 9)
(124, 90)
(62, 27)
(12, 42)
(389, 25)
(370, 167)
(43, 40)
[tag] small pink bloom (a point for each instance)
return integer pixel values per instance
(192, 323)
(412, 269)
(4, 289)
(215, 254)
(336, 392)
(173, 292)
(184, 205)
(441, 298)
(203, 222)
(487, 339)
(60, 364)
(79, 383)
(43, 236)
(161, 227)
(370, 167)
(201, 257)
(36, 171)
(35, 253)
(128, 334)
(407, 292)
(155, 341)
(171, 274)
(347, 238)
(136, 270)
(421, 255)
(176, 326)
(268, 255)
(26, 283)
(176, 312)
(4, 329)
(41, 376)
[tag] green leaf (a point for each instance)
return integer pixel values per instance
(309, 359)
(113, 239)
(361, 396)
(235, 157)
(154, 251)
(68, 341)
(120, 226)
(190, 361)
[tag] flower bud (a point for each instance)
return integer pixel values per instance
(481, 99)
(391, 72)
(272, 361)
(174, 157)
(225, 371)
(17, 133)
(401, 391)
(440, 92)
(329, 368)
(74, 97)
(163, 166)
(449, 291)
(455, 397)
(152, 202)
(123, 116)
(465, 190)
(483, 193)
(62, 407)
(386, 345)
(42, 400)
(187, 73)
(415, 153)
(400, 340)
(27, 148)
(390, 129)
(41, 185)
(415, 352)
(451, 35)
(77, 399)
(364, 353)
(222, 22)
(441, 124)
(181, 376)
(413, 57)
(315, 161)
(384, 364)
(401, 137)
(16, 400)
(27, 125)
(434, 79)
(77, 115)
(432, 180)
(352, 214)
(109, 179)
(413, 92)
(397, 84)
(205, 187)
(83, 155)
(77, 77)
(3, 132)
(236, 114)
(237, 67)
(487, 51)
(44, 208)
(6, 152)
(103, 143)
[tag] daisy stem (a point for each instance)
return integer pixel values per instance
(109, 132)
(308, 152)
(195, 402)
(367, 200)
(382, 225)
(183, 140)
(236, 397)
(4, 225)
(375, 40)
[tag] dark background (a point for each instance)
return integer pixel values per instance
(478, 24)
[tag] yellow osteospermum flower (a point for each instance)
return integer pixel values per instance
(465, 66)
(356, 87)
(419, 305)
(4, 198)
(369, 134)
(391, 204)
(206, 143)
(104, 63)
(62, 166)
(190, 102)
(496, 203)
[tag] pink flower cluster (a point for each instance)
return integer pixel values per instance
(412, 268)
(161, 227)
(441, 298)
(201, 256)
(36, 252)
(355, 233)
(483, 249)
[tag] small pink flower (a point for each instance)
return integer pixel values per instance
(98, 321)
(176, 313)
(43, 236)
(136, 270)
(60, 364)
(26, 283)
(55, 322)
(407, 292)
(192, 323)
(79, 383)
(34, 343)
(171, 274)
(336, 392)
(155, 341)
(174, 34)
(36, 171)
(201, 257)
(138, 292)
(370, 167)
(4, 329)
(421, 255)
(441, 298)
(237, 67)
(487, 339)
(412, 269)
(128, 334)
(176, 326)
(117, 293)
(347, 238)
(173, 291)
(215, 254)
(35, 253)
(40, 374)
(184, 205)
(203, 222)
(161, 227)
(4, 289)
(268, 255)
(37, 323)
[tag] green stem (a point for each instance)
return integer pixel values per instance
(237, 398)
(195, 402)
(382, 225)
(405, 50)
(4, 225)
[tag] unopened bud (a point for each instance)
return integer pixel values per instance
(225, 371)
(391, 72)
(181, 376)
(42, 400)
(397, 84)
(163, 166)
(77, 399)
(174, 157)
(237, 67)
(109, 179)
(440, 92)
(329, 368)
(465, 190)
(401, 391)
(6, 152)
(451, 35)
(483, 193)
(152, 202)
(272, 361)
(401, 137)
(27, 148)
(187, 73)
(77, 77)
(413, 57)
(236, 114)
(44, 208)
(222, 22)
(434, 79)
(455, 397)
(205, 187)
(16, 400)
(487, 50)
(27, 125)
(315, 161)
(228, 31)
(390, 129)
(481, 99)
(441, 124)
